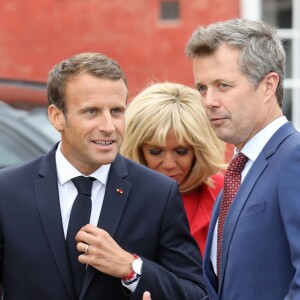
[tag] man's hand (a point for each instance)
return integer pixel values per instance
(146, 296)
(102, 252)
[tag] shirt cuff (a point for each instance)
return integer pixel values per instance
(131, 286)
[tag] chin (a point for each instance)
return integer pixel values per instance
(224, 137)
(107, 158)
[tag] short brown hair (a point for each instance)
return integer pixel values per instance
(95, 64)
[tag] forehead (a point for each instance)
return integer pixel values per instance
(222, 64)
(170, 138)
(87, 86)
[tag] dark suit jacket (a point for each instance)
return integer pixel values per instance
(148, 218)
(260, 257)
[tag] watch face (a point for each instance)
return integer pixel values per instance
(137, 266)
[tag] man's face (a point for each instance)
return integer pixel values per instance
(92, 129)
(236, 109)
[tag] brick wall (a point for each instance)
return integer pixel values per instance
(36, 34)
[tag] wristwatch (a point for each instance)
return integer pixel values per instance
(136, 271)
(137, 265)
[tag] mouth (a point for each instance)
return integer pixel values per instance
(217, 120)
(103, 143)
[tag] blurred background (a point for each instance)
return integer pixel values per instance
(147, 37)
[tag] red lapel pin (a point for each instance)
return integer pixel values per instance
(120, 191)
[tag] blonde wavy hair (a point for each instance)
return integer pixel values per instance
(164, 106)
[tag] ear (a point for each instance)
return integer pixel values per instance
(56, 117)
(271, 83)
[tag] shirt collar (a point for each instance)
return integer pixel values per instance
(66, 171)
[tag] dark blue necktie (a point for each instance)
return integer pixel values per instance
(80, 216)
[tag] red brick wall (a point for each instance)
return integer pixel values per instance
(36, 34)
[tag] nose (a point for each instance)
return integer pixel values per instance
(210, 100)
(106, 123)
(169, 162)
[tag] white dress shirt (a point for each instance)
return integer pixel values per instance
(252, 149)
(68, 192)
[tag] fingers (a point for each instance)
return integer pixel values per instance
(89, 228)
(86, 249)
(97, 239)
(88, 232)
(103, 252)
(146, 296)
(83, 247)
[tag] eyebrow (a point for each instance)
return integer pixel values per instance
(218, 80)
(198, 84)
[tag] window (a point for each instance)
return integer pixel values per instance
(169, 10)
(277, 12)
(285, 15)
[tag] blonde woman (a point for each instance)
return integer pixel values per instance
(167, 130)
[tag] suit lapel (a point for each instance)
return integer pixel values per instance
(236, 209)
(115, 199)
(212, 282)
(46, 190)
(243, 193)
(116, 195)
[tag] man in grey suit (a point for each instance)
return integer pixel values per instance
(239, 68)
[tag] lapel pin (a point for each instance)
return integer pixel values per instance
(120, 191)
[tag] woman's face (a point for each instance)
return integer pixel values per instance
(173, 160)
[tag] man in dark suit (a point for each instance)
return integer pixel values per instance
(137, 238)
(239, 68)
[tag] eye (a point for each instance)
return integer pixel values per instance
(118, 110)
(182, 151)
(154, 151)
(91, 111)
(223, 86)
(202, 89)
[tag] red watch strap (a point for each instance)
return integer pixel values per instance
(132, 274)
